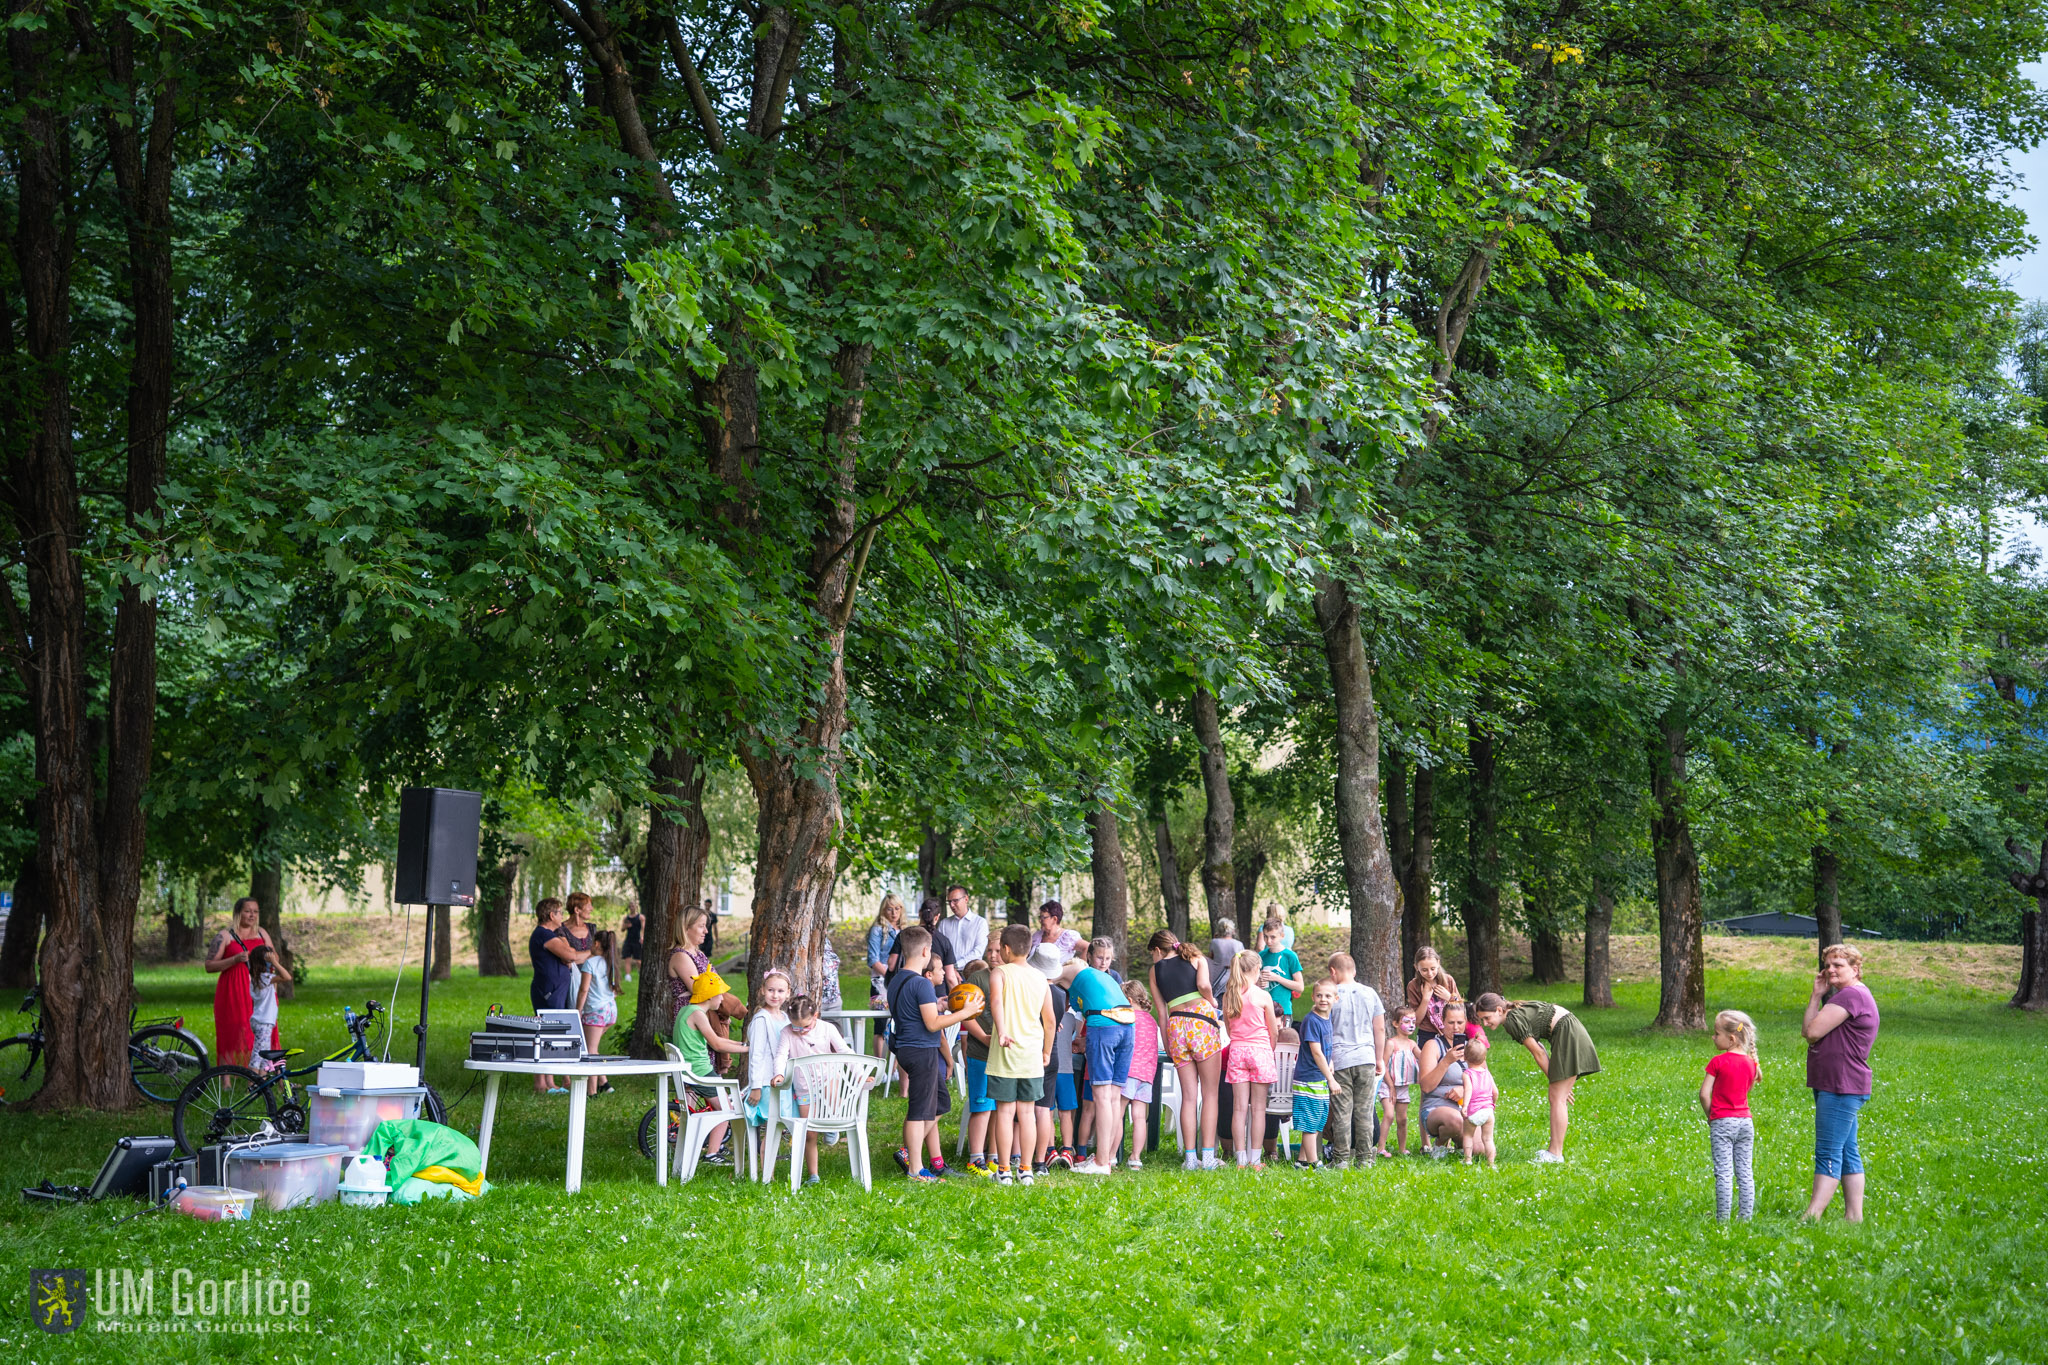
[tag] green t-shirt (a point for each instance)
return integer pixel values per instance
(696, 1052)
(968, 1044)
(1288, 965)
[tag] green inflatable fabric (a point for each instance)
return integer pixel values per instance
(412, 1145)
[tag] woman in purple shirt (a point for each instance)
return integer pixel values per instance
(1841, 1024)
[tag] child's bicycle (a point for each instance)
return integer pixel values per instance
(227, 1102)
(163, 1056)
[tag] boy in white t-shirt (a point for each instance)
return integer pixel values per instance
(1358, 1028)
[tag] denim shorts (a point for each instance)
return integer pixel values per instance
(978, 1101)
(1109, 1053)
(1835, 1153)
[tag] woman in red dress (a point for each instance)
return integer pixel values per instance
(233, 1040)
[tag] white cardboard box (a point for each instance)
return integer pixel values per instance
(368, 1075)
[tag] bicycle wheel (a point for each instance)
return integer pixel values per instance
(222, 1102)
(21, 1069)
(163, 1060)
(675, 1126)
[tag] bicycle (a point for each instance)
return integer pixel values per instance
(228, 1101)
(163, 1056)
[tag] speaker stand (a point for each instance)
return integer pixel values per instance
(419, 1060)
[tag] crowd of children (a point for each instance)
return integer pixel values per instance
(1065, 1059)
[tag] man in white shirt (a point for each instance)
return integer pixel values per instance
(1358, 1039)
(965, 932)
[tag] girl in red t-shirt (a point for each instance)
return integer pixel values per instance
(1724, 1096)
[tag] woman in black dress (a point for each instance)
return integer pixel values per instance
(629, 942)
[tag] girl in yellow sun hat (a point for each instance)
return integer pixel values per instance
(697, 1037)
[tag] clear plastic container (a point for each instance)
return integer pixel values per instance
(214, 1203)
(287, 1174)
(346, 1118)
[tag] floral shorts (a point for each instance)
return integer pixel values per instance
(1193, 1032)
(601, 1018)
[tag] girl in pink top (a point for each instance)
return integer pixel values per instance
(1254, 1027)
(1480, 1096)
(1144, 1068)
(805, 1037)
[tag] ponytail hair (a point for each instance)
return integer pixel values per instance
(1743, 1029)
(1489, 1001)
(1244, 970)
(1165, 942)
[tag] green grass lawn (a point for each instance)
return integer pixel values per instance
(1613, 1257)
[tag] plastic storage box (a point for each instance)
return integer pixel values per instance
(214, 1203)
(346, 1118)
(368, 1075)
(285, 1175)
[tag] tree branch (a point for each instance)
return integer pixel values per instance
(714, 136)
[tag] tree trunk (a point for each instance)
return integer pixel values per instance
(494, 922)
(1599, 984)
(1482, 894)
(183, 937)
(798, 783)
(1219, 819)
(1400, 835)
(24, 933)
(1827, 895)
(2030, 967)
(1250, 868)
(671, 881)
(1681, 945)
(1546, 955)
(444, 942)
(932, 857)
(1418, 909)
(1017, 901)
(2033, 991)
(1173, 886)
(90, 834)
(1368, 867)
(1112, 917)
(266, 885)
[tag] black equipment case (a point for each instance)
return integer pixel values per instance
(524, 1047)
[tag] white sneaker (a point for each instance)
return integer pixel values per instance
(1134, 1165)
(1190, 1162)
(1212, 1164)
(1093, 1168)
(1545, 1157)
(1024, 1176)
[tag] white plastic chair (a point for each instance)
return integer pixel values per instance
(1166, 1094)
(838, 1084)
(696, 1128)
(1280, 1096)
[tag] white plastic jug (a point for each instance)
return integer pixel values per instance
(362, 1183)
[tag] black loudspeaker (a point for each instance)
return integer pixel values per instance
(437, 843)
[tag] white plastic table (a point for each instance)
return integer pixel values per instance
(579, 1101)
(859, 1020)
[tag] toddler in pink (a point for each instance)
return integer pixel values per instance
(1480, 1097)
